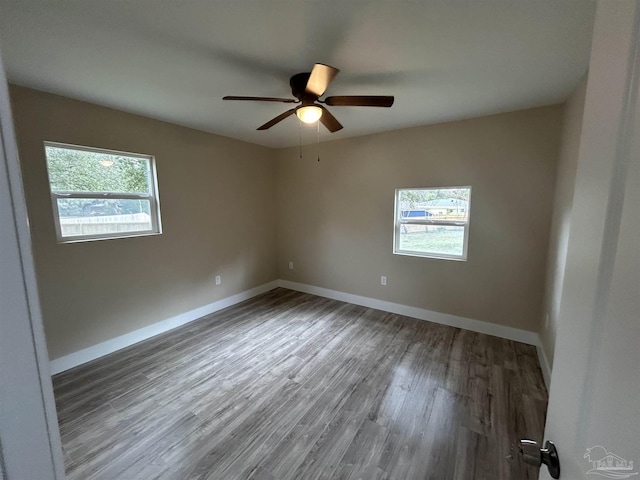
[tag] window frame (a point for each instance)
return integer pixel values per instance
(398, 222)
(152, 197)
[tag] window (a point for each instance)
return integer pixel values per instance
(100, 194)
(432, 222)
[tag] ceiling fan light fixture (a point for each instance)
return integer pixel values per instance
(307, 88)
(309, 113)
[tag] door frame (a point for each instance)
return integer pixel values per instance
(30, 445)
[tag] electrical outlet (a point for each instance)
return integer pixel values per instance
(218, 279)
(383, 280)
(290, 265)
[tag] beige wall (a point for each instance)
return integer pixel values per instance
(335, 217)
(222, 202)
(217, 202)
(561, 221)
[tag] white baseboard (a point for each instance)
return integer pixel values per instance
(96, 351)
(502, 331)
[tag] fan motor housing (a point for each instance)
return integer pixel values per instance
(298, 85)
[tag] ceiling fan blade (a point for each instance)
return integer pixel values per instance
(360, 101)
(261, 99)
(279, 118)
(320, 78)
(329, 121)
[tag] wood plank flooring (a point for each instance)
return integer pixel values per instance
(293, 386)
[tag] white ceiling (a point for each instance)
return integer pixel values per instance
(174, 61)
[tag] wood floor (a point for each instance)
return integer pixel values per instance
(292, 386)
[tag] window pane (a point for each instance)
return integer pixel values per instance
(447, 204)
(72, 170)
(434, 239)
(87, 216)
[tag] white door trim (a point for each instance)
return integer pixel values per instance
(30, 444)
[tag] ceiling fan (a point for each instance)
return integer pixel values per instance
(307, 87)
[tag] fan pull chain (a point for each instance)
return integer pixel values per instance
(318, 124)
